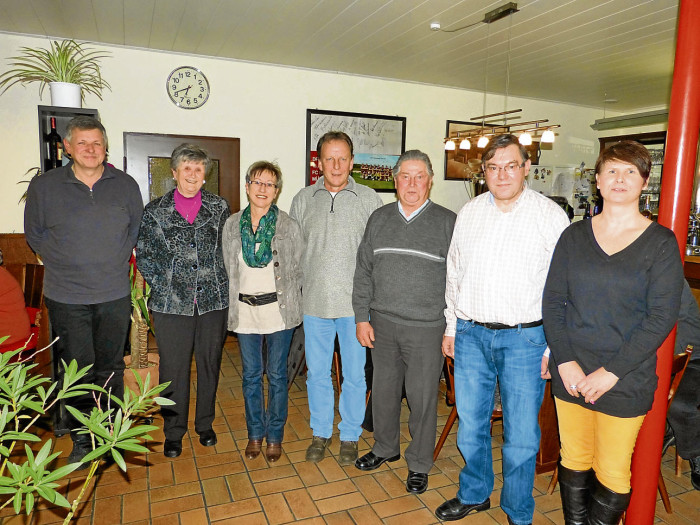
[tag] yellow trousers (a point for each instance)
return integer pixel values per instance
(590, 439)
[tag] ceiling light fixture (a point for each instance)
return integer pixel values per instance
(525, 139)
(450, 145)
(487, 129)
(547, 136)
(465, 144)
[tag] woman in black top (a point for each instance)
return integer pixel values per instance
(611, 298)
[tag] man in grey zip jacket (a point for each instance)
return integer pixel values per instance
(332, 215)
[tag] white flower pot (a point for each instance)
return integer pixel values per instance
(65, 94)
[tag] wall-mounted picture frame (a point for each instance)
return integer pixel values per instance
(378, 141)
(461, 164)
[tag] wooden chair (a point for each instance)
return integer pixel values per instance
(680, 362)
(450, 393)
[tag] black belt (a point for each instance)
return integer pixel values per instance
(258, 300)
(499, 326)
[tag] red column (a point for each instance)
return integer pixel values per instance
(674, 207)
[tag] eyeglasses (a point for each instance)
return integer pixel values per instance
(260, 184)
(509, 168)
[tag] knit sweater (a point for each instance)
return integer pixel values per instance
(612, 311)
(401, 268)
(332, 228)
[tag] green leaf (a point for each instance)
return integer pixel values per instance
(119, 459)
(163, 401)
(29, 503)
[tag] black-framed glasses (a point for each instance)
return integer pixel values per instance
(509, 168)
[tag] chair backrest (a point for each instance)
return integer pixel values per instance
(680, 362)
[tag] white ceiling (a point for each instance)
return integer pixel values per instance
(576, 51)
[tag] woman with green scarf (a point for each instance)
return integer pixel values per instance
(262, 252)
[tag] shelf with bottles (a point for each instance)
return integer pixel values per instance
(53, 121)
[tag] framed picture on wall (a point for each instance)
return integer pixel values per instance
(461, 164)
(378, 141)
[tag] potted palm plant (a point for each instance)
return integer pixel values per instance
(67, 67)
(143, 362)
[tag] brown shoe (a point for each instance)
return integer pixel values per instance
(273, 452)
(252, 449)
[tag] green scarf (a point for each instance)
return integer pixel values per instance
(262, 236)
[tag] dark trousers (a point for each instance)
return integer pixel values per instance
(92, 334)
(178, 337)
(683, 414)
(412, 355)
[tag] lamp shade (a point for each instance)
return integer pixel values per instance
(450, 145)
(548, 136)
(465, 144)
(483, 141)
(525, 139)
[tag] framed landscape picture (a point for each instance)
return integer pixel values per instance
(378, 142)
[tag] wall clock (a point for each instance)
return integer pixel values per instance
(187, 87)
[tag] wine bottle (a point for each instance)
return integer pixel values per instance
(647, 207)
(53, 142)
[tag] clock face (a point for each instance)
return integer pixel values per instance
(187, 87)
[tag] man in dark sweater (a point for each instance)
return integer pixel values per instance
(684, 414)
(399, 301)
(83, 220)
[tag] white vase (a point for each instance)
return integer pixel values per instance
(65, 94)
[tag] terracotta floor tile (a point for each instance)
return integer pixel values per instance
(278, 485)
(395, 506)
(301, 504)
(109, 510)
(161, 475)
(224, 469)
(370, 489)
(215, 491)
(179, 504)
(391, 483)
(240, 486)
(415, 517)
(365, 515)
(251, 519)
(136, 506)
(309, 473)
(276, 509)
(184, 471)
(283, 471)
(175, 491)
(235, 509)
(194, 517)
(332, 489)
(339, 518)
(337, 503)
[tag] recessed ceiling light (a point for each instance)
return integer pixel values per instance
(435, 26)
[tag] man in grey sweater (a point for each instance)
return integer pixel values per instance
(332, 215)
(399, 302)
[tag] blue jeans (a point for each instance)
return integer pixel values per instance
(319, 343)
(261, 423)
(513, 357)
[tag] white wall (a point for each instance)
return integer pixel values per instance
(264, 106)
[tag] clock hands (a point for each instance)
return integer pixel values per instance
(183, 89)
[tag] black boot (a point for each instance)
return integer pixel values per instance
(606, 507)
(575, 490)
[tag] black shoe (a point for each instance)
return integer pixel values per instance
(208, 438)
(172, 449)
(81, 448)
(370, 461)
(417, 482)
(454, 509)
(695, 472)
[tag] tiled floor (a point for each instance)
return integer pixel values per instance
(218, 485)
